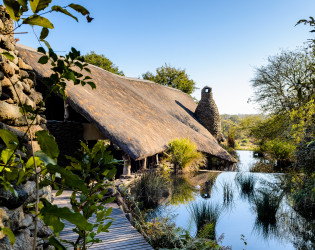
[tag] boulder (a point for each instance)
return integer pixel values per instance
(23, 65)
(9, 113)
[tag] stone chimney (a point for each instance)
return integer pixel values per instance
(208, 115)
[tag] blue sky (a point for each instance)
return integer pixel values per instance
(219, 43)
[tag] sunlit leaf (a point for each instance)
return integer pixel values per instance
(7, 231)
(39, 21)
(38, 5)
(79, 9)
(64, 11)
(9, 139)
(8, 55)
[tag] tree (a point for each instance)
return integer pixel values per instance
(286, 82)
(172, 77)
(102, 62)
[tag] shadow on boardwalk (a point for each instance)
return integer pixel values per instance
(121, 235)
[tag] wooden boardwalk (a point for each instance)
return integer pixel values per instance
(121, 235)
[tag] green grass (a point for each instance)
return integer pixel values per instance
(150, 189)
(204, 213)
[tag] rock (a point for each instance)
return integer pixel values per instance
(16, 216)
(1, 25)
(26, 87)
(5, 41)
(23, 240)
(5, 244)
(6, 82)
(19, 134)
(9, 112)
(29, 82)
(36, 96)
(1, 75)
(8, 200)
(8, 68)
(23, 74)
(3, 220)
(23, 65)
(27, 221)
(45, 231)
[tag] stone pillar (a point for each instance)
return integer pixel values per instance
(208, 115)
(127, 165)
(6, 24)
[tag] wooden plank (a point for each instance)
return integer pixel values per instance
(121, 235)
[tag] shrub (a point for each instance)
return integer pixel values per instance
(183, 154)
(280, 150)
(150, 189)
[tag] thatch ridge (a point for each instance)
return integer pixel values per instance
(140, 116)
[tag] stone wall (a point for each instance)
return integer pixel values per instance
(17, 86)
(208, 115)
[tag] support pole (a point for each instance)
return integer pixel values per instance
(127, 165)
(66, 111)
(144, 164)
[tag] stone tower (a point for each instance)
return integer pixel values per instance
(208, 115)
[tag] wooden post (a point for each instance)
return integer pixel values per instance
(157, 158)
(127, 165)
(66, 111)
(144, 164)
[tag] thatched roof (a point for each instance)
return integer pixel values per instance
(139, 116)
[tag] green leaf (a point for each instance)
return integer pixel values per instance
(44, 33)
(64, 11)
(10, 234)
(47, 143)
(79, 9)
(39, 21)
(71, 179)
(8, 55)
(41, 50)
(6, 155)
(9, 139)
(30, 162)
(47, 44)
(45, 158)
(52, 215)
(56, 243)
(12, 8)
(38, 5)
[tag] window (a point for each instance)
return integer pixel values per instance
(207, 90)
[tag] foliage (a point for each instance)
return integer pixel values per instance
(172, 77)
(162, 233)
(96, 165)
(150, 189)
(204, 213)
(18, 10)
(286, 82)
(182, 191)
(246, 182)
(102, 62)
(183, 154)
(279, 149)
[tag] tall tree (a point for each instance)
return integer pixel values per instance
(286, 82)
(172, 77)
(102, 62)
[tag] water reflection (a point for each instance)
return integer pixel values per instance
(254, 204)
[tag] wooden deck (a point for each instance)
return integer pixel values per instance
(121, 235)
